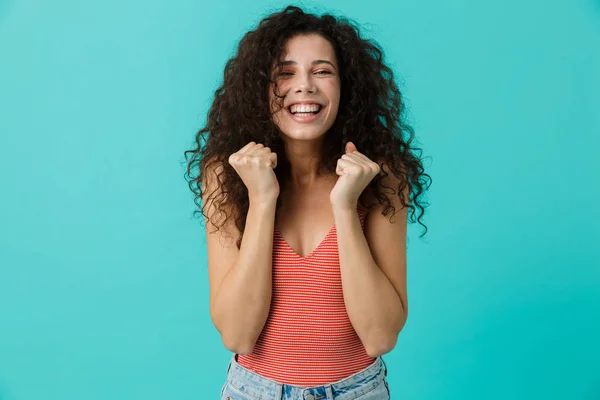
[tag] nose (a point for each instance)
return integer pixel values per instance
(305, 84)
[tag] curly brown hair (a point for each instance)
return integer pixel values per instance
(371, 115)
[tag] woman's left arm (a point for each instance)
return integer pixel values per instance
(373, 270)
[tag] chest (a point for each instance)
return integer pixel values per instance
(304, 223)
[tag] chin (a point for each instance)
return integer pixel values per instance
(302, 135)
(294, 132)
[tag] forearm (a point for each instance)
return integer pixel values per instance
(372, 303)
(242, 304)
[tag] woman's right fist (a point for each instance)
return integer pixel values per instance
(254, 163)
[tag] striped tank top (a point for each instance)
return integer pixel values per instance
(308, 339)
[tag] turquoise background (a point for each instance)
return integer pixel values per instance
(103, 276)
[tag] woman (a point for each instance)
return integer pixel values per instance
(306, 164)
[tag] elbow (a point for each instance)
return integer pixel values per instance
(379, 350)
(381, 344)
(243, 350)
(233, 342)
(383, 341)
(238, 346)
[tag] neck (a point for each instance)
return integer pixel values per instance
(304, 156)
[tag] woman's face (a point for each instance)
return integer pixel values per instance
(309, 75)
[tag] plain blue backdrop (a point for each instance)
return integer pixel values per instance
(103, 274)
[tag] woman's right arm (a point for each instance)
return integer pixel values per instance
(240, 280)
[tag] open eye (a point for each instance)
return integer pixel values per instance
(324, 71)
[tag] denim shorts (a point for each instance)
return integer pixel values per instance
(367, 384)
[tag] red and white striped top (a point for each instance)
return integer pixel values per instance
(308, 339)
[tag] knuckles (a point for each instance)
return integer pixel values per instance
(370, 169)
(263, 158)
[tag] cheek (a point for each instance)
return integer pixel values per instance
(333, 92)
(334, 98)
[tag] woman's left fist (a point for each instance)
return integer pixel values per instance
(355, 171)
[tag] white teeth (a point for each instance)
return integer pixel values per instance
(304, 108)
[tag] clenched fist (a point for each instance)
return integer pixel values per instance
(254, 163)
(355, 171)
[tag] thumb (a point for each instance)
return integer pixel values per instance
(350, 147)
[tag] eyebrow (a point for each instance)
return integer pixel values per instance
(315, 62)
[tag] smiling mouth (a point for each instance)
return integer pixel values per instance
(307, 112)
(304, 117)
